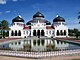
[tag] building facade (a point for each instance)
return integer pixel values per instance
(38, 27)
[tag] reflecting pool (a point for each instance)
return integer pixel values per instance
(38, 45)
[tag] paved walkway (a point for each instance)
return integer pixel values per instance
(39, 54)
(52, 58)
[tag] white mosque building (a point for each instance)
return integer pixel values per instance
(38, 27)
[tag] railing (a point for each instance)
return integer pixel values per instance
(38, 54)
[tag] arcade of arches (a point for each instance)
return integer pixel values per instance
(38, 33)
(15, 33)
(61, 32)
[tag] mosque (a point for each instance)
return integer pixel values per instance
(38, 26)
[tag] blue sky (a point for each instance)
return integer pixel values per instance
(67, 9)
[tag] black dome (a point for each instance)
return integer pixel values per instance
(59, 19)
(38, 14)
(18, 19)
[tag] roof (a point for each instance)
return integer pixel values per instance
(27, 27)
(38, 14)
(18, 19)
(59, 19)
(49, 27)
(40, 21)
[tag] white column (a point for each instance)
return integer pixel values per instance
(9, 33)
(31, 32)
(55, 32)
(67, 32)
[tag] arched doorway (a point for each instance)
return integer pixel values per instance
(12, 33)
(61, 33)
(64, 32)
(19, 33)
(57, 32)
(15, 33)
(38, 33)
(42, 32)
(34, 32)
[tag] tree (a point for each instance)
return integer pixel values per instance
(4, 28)
(71, 33)
(76, 32)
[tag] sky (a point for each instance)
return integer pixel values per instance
(68, 9)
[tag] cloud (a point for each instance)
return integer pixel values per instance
(7, 11)
(0, 13)
(14, 0)
(3, 1)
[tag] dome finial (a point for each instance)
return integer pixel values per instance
(20, 16)
(57, 15)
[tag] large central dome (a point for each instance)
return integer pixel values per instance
(38, 17)
(38, 14)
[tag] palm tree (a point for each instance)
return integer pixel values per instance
(4, 27)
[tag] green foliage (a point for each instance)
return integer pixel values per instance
(4, 24)
(75, 32)
(4, 28)
(70, 32)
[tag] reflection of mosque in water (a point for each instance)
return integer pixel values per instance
(38, 45)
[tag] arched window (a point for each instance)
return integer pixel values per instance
(38, 32)
(19, 33)
(64, 32)
(57, 32)
(42, 32)
(34, 32)
(61, 33)
(15, 33)
(12, 33)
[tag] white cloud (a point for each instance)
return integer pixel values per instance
(14, 0)
(3, 1)
(0, 13)
(7, 11)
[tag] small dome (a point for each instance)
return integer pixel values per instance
(59, 19)
(18, 19)
(38, 14)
